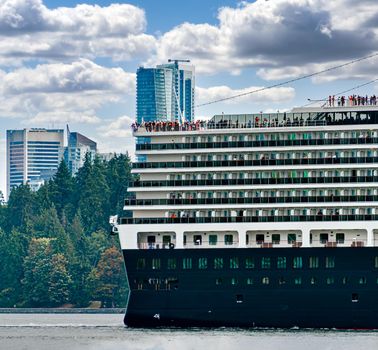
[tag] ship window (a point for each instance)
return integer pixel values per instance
(323, 238)
(313, 280)
(234, 281)
(276, 237)
(340, 238)
(355, 298)
(281, 280)
(376, 262)
(228, 239)
(171, 264)
(234, 263)
(156, 264)
(239, 298)
(313, 262)
(362, 280)
(218, 281)
(202, 263)
(330, 262)
(265, 280)
(218, 263)
(213, 239)
(265, 263)
(298, 280)
(249, 263)
(330, 280)
(259, 238)
(297, 262)
(281, 262)
(250, 280)
(291, 238)
(187, 263)
(141, 264)
(345, 280)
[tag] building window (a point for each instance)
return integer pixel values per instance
(297, 262)
(218, 281)
(281, 281)
(172, 264)
(228, 239)
(141, 264)
(202, 263)
(291, 238)
(156, 264)
(218, 263)
(276, 237)
(213, 239)
(313, 262)
(313, 281)
(265, 263)
(234, 281)
(250, 280)
(297, 280)
(281, 262)
(234, 263)
(330, 280)
(187, 263)
(249, 263)
(362, 280)
(265, 280)
(330, 262)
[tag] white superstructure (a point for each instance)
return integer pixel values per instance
(308, 178)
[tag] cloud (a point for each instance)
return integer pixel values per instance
(273, 95)
(119, 127)
(62, 92)
(29, 30)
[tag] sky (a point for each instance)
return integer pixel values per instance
(74, 62)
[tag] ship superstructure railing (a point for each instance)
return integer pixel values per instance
(260, 181)
(239, 219)
(252, 200)
(254, 144)
(262, 162)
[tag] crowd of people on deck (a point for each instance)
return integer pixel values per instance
(352, 100)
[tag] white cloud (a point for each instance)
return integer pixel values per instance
(119, 128)
(62, 92)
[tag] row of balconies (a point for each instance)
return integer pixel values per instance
(262, 162)
(242, 144)
(269, 181)
(258, 200)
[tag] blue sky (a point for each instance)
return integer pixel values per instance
(74, 62)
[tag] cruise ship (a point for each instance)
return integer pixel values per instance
(255, 220)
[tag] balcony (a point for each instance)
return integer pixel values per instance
(243, 182)
(262, 162)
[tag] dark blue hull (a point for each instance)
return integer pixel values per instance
(315, 288)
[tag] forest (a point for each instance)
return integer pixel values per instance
(55, 247)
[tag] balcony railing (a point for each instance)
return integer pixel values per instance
(255, 200)
(268, 143)
(243, 182)
(262, 162)
(237, 219)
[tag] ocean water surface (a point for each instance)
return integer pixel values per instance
(106, 331)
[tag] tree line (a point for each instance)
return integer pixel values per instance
(55, 247)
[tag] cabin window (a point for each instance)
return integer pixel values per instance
(276, 237)
(234, 281)
(259, 239)
(265, 263)
(330, 262)
(345, 280)
(202, 263)
(281, 262)
(234, 263)
(297, 262)
(166, 240)
(213, 239)
(291, 238)
(218, 263)
(281, 281)
(265, 280)
(187, 263)
(355, 298)
(250, 281)
(218, 281)
(239, 298)
(249, 263)
(313, 280)
(376, 262)
(297, 280)
(141, 264)
(340, 238)
(228, 239)
(323, 238)
(156, 264)
(362, 280)
(330, 280)
(313, 262)
(197, 240)
(172, 264)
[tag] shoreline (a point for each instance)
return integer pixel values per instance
(61, 311)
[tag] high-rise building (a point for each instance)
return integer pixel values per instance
(166, 93)
(78, 146)
(33, 156)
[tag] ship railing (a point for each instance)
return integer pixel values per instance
(266, 181)
(156, 245)
(211, 244)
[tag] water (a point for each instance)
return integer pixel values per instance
(101, 331)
